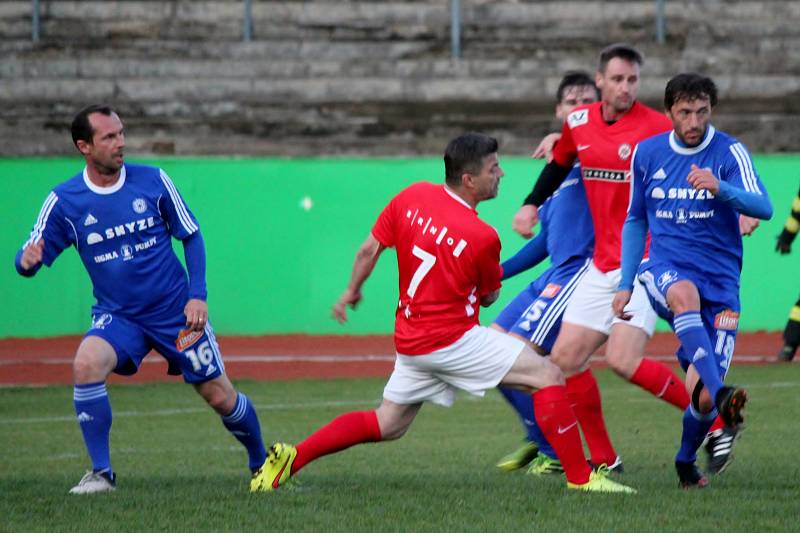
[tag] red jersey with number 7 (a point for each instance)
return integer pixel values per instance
(447, 260)
(605, 151)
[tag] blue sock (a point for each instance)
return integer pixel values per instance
(695, 428)
(243, 424)
(523, 404)
(696, 344)
(94, 416)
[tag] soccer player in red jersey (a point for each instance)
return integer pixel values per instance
(602, 137)
(449, 265)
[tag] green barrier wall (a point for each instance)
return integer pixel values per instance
(276, 267)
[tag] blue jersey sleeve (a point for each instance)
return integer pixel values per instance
(530, 255)
(634, 231)
(52, 227)
(741, 187)
(194, 252)
(181, 221)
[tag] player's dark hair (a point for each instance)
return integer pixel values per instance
(575, 78)
(622, 51)
(465, 154)
(82, 128)
(689, 86)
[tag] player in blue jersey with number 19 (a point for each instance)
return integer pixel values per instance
(121, 219)
(689, 187)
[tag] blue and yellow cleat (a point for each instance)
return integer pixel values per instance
(599, 482)
(519, 457)
(276, 470)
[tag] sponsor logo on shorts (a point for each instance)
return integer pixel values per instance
(186, 338)
(550, 291)
(727, 319)
(624, 151)
(101, 321)
(666, 278)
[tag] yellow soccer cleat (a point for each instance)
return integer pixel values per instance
(276, 470)
(599, 482)
(544, 465)
(519, 457)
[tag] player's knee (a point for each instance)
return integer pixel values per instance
(622, 362)
(551, 374)
(220, 396)
(683, 297)
(90, 367)
(566, 358)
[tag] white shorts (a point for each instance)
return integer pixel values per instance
(476, 362)
(590, 305)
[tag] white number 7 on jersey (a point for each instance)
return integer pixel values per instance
(428, 260)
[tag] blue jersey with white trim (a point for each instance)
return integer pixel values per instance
(123, 236)
(566, 219)
(690, 228)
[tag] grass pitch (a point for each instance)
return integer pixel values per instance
(179, 470)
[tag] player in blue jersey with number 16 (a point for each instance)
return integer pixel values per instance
(121, 219)
(689, 187)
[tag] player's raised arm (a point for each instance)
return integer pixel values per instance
(530, 255)
(366, 258)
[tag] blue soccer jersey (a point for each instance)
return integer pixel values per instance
(566, 231)
(694, 229)
(123, 236)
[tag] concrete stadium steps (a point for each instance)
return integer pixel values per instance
(363, 77)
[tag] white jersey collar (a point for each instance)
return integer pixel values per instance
(105, 190)
(683, 150)
(457, 198)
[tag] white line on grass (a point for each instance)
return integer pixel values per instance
(621, 388)
(193, 410)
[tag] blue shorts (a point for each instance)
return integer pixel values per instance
(535, 314)
(718, 309)
(195, 354)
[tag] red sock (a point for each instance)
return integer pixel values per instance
(558, 423)
(584, 395)
(659, 380)
(718, 424)
(340, 433)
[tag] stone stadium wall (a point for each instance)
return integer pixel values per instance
(327, 77)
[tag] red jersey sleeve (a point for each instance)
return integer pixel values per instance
(565, 152)
(383, 230)
(490, 273)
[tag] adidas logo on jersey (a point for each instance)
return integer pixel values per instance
(660, 174)
(85, 417)
(89, 220)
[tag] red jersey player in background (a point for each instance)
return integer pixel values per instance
(603, 136)
(449, 265)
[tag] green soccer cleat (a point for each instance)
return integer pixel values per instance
(276, 470)
(544, 465)
(599, 482)
(519, 457)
